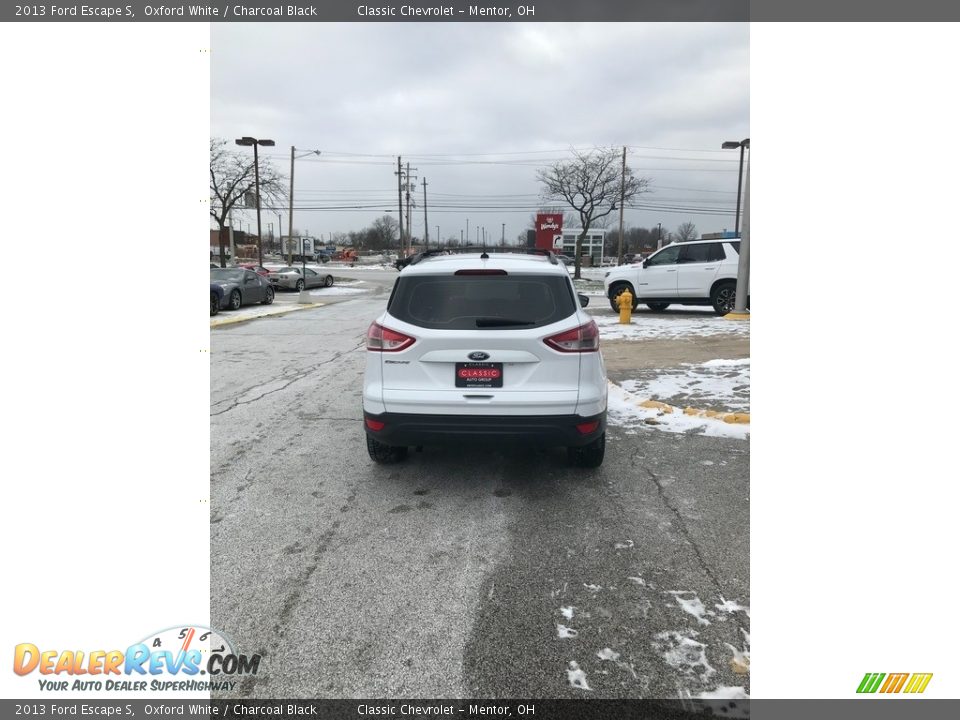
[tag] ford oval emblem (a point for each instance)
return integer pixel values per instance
(478, 356)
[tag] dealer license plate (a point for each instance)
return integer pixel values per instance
(479, 375)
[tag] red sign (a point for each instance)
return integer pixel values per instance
(466, 373)
(550, 231)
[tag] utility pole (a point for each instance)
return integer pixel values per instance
(290, 213)
(426, 228)
(280, 236)
(407, 187)
(399, 175)
(623, 187)
(503, 230)
(659, 241)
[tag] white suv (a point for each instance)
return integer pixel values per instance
(485, 347)
(699, 272)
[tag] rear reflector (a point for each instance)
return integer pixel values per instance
(374, 425)
(583, 428)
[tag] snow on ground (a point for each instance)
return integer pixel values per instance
(691, 605)
(717, 383)
(623, 410)
(564, 632)
(577, 677)
(336, 290)
(684, 653)
(645, 325)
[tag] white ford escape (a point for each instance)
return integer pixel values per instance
(485, 347)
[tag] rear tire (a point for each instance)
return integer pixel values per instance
(328, 281)
(588, 456)
(385, 454)
(235, 300)
(214, 304)
(658, 307)
(724, 298)
(300, 286)
(268, 298)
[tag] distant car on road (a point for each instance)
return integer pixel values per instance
(258, 269)
(291, 278)
(216, 298)
(241, 287)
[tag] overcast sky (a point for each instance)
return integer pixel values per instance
(477, 108)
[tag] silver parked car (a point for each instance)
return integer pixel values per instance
(241, 287)
(291, 278)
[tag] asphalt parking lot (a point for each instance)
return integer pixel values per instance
(475, 572)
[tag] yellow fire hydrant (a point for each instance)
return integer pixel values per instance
(625, 301)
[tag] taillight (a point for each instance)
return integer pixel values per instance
(384, 339)
(585, 338)
(584, 428)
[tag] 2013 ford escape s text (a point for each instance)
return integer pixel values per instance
(485, 347)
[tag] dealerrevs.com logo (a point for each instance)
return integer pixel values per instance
(182, 659)
(910, 683)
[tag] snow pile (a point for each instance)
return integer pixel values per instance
(623, 409)
(718, 383)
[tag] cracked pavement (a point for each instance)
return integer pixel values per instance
(448, 575)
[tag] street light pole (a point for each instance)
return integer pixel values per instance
(740, 311)
(659, 236)
(246, 140)
(730, 145)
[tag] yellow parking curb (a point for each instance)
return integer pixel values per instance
(737, 316)
(654, 404)
(234, 320)
(738, 418)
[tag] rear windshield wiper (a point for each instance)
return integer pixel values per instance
(501, 322)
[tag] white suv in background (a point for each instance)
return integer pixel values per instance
(698, 272)
(484, 347)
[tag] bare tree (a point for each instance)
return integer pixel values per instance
(232, 176)
(590, 183)
(686, 231)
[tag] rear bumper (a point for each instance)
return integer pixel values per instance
(415, 429)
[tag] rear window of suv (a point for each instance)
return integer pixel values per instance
(481, 302)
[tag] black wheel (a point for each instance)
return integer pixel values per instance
(268, 298)
(724, 298)
(385, 454)
(214, 304)
(328, 281)
(615, 292)
(300, 285)
(235, 300)
(658, 307)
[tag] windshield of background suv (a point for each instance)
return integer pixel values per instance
(471, 302)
